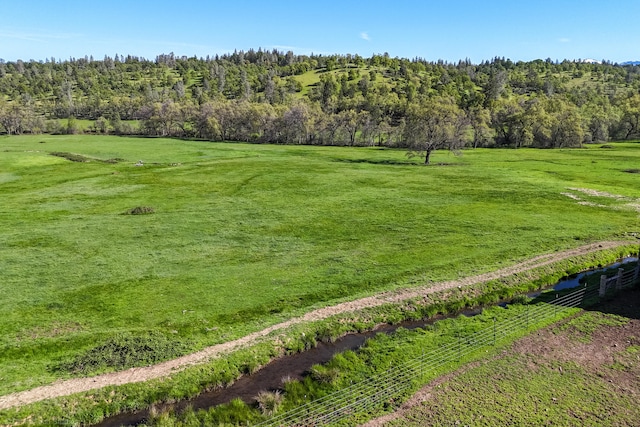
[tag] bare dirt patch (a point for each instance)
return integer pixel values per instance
(596, 193)
(629, 203)
(77, 385)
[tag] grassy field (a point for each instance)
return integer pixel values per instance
(242, 236)
(312, 78)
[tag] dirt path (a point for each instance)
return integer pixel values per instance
(77, 385)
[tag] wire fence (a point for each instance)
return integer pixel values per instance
(382, 389)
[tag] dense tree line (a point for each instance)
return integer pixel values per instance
(278, 97)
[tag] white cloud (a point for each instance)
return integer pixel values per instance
(365, 36)
(564, 40)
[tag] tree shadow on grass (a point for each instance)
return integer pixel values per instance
(390, 162)
(625, 303)
(379, 162)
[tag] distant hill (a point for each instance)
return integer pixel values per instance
(631, 63)
(280, 97)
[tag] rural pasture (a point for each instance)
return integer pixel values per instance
(230, 238)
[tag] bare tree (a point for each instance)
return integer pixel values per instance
(295, 124)
(11, 118)
(206, 124)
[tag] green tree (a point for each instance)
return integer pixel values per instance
(436, 124)
(12, 117)
(630, 120)
(511, 123)
(567, 130)
(206, 124)
(480, 119)
(72, 126)
(295, 124)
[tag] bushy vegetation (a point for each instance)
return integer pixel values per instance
(269, 401)
(70, 156)
(140, 210)
(271, 96)
(125, 351)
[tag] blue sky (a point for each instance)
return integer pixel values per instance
(448, 30)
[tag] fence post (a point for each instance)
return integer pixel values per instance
(603, 285)
(619, 280)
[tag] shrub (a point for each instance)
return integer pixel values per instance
(324, 374)
(331, 331)
(521, 299)
(140, 210)
(269, 401)
(114, 160)
(234, 413)
(125, 351)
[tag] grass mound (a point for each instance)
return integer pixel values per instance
(125, 351)
(140, 210)
(114, 160)
(79, 158)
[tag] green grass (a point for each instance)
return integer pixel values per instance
(522, 389)
(243, 236)
(308, 79)
(583, 327)
(509, 392)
